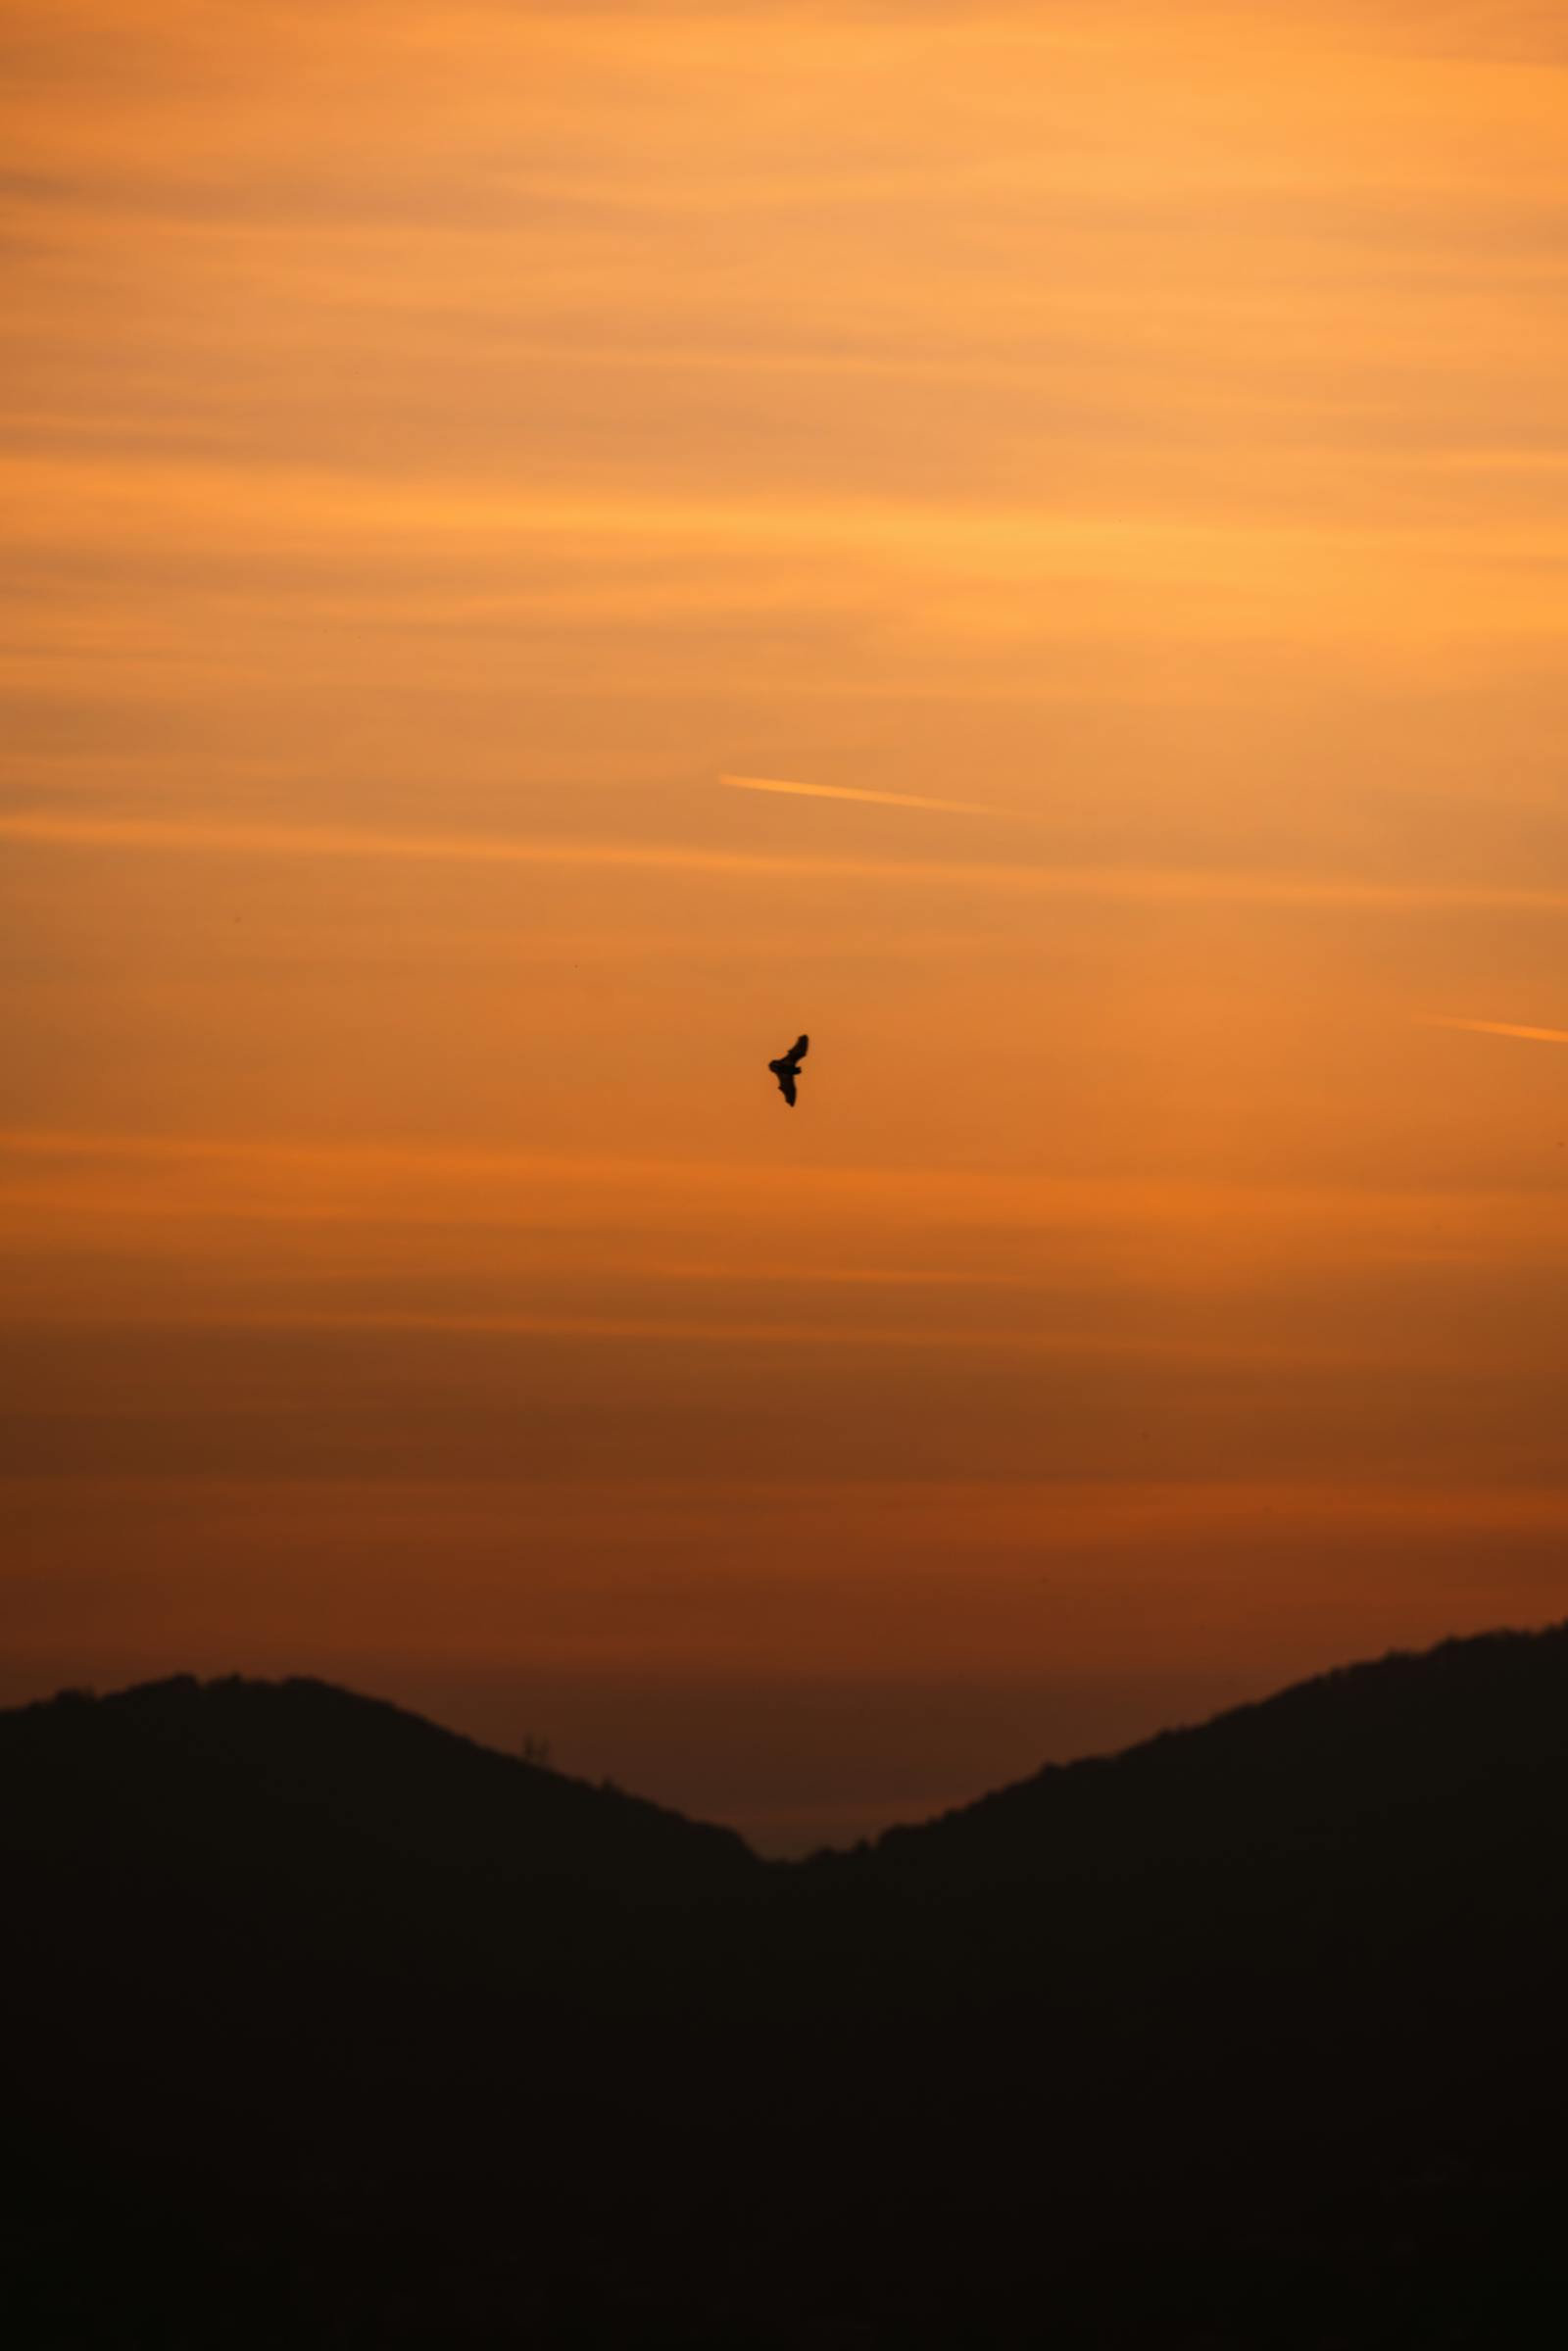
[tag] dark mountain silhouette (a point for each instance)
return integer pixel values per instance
(328, 2028)
(1394, 1750)
(293, 1777)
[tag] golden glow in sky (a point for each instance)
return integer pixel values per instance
(1090, 487)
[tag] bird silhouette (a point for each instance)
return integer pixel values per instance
(787, 1068)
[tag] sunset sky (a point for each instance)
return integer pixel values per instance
(1117, 459)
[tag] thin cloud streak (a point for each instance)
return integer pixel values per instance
(1137, 885)
(1070, 1345)
(367, 1173)
(886, 800)
(1502, 1028)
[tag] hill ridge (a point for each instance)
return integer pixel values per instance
(1368, 1739)
(1365, 1740)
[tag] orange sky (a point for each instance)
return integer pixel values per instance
(444, 444)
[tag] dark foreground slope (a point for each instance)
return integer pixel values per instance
(295, 1784)
(325, 2028)
(1387, 1756)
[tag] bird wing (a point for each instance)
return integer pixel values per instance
(786, 1084)
(798, 1047)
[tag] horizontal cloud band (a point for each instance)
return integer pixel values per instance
(1154, 885)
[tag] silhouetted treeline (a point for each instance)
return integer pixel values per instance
(330, 2028)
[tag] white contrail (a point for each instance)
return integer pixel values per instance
(1503, 1028)
(885, 799)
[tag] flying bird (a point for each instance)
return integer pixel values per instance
(787, 1068)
